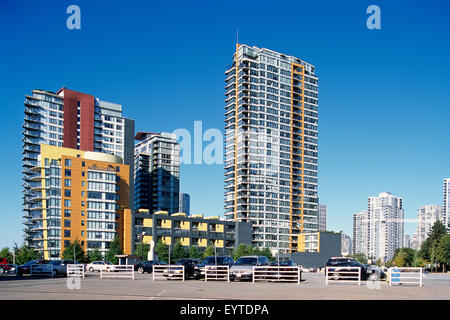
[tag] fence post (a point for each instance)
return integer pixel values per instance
(253, 275)
(228, 273)
(359, 276)
(421, 274)
(183, 272)
(326, 275)
(298, 275)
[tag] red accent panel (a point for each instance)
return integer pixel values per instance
(71, 99)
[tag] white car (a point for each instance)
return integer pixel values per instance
(100, 265)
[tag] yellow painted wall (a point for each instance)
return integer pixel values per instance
(219, 227)
(147, 239)
(219, 243)
(202, 226)
(185, 225)
(166, 224)
(167, 240)
(185, 241)
(148, 222)
(202, 242)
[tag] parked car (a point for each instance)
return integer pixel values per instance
(25, 268)
(243, 267)
(5, 266)
(189, 265)
(60, 266)
(147, 266)
(283, 273)
(346, 264)
(100, 265)
(199, 270)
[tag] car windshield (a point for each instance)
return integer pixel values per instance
(212, 260)
(246, 261)
(107, 262)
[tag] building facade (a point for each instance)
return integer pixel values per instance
(271, 146)
(74, 120)
(346, 245)
(385, 225)
(446, 202)
(185, 203)
(426, 217)
(194, 230)
(157, 172)
(407, 241)
(360, 232)
(322, 217)
(77, 195)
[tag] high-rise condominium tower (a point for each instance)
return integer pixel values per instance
(322, 217)
(157, 172)
(446, 202)
(385, 225)
(271, 145)
(185, 203)
(360, 232)
(426, 217)
(74, 120)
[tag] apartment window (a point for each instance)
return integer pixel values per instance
(82, 174)
(82, 233)
(67, 233)
(117, 169)
(82, 213)
(83, 163)
(82, 193)
(67, 223)
(82, 223)
(67, 193)
(67, 213)
(66, 243)
(82, 203)
(67, 203)
(68, 172)
(67, 182)
(68, 162)
(82, 183)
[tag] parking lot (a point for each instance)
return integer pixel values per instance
(312, 287)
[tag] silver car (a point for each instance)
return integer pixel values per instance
(243, 267)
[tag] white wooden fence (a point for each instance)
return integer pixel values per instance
(118, 271)
(75, 270)
(172, 271)
(277, 273)
(405, 275)
(343, 274)
(214, 272)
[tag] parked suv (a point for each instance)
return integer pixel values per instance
(147, 266)
(199, 270)
(345, 264)
(243, 267)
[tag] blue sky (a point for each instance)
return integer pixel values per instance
(384, 96)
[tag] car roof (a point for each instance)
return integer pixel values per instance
(255, 257)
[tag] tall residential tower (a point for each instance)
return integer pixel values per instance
(271, 146)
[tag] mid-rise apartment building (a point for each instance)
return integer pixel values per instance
(360, 232)
(77, 195)
(194, 230)
(346, 245)
(271, 146)
(156, 172)
(74, 120)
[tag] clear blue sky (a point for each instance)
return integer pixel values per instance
(383, 94)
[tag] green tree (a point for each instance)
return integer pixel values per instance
(95, 255)
(142, 249)
(114, 249)
(25, 254)
(241, 250)
(404, 257)
(74, 247)
(443, 252)
(178, 252)
(360, 257)
(162, 251)
(266, 252)
(194, 253)
(209, 251)
(4, 253)
(379, 262)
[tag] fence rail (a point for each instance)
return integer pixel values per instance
(75, 270)
(403, 275)
(118, 271)
(217, 273)
(173, 271)
(42, 270)
(344, 274)
(275, 273)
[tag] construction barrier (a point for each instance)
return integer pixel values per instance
(405, 275)
(276, 273)
(167, 272)
(118, 271)
(344, 274)
(214, 272)
(42, 270)
(75, 270)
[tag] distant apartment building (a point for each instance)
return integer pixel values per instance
(185, 203)
(322, 217)
(426, 217)
(446, 202)
(74, 120)
(156, 172)
(360, 232)
(77, 195)
(346, 245)
(407, 241)
(271, 146)
(190, 231)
